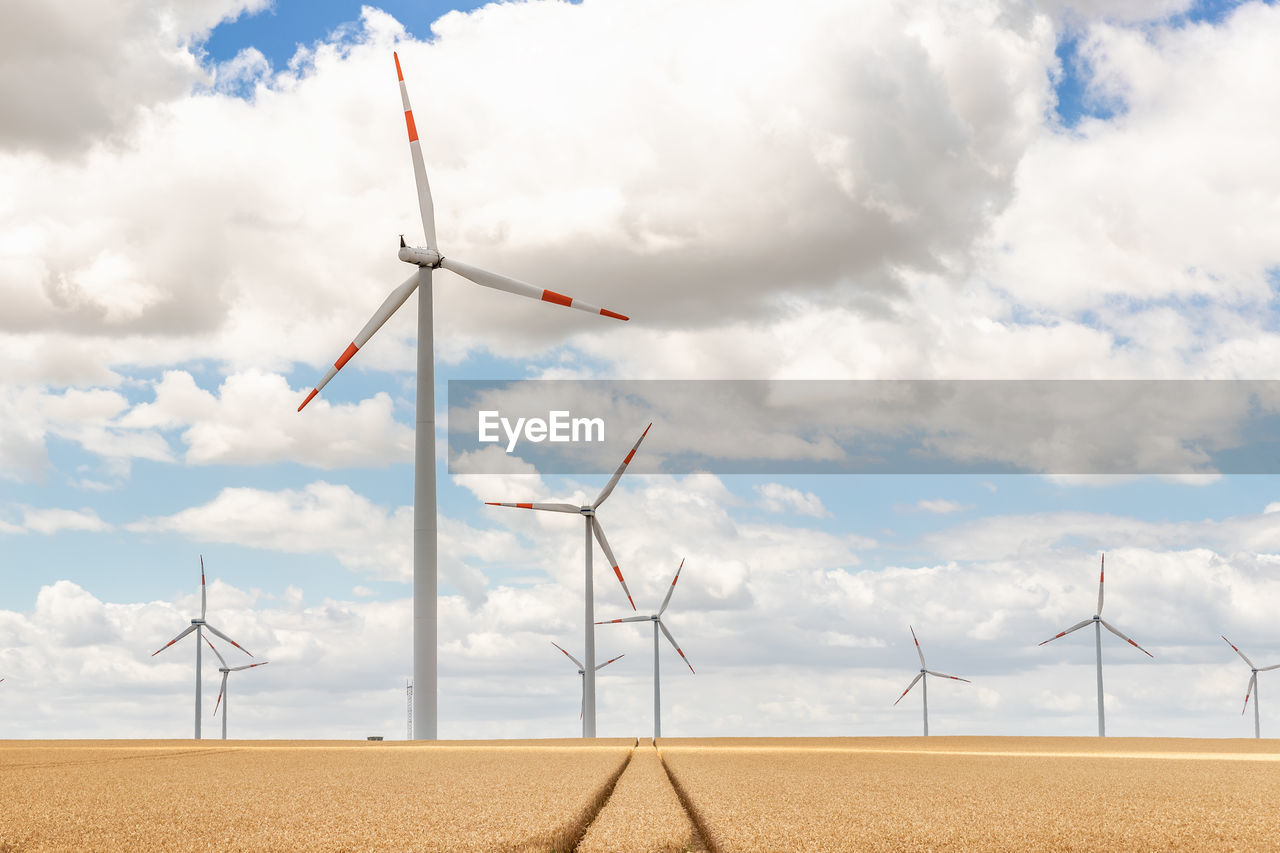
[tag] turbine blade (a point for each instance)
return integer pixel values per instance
(419, 167)
(1248, 691)
(676, 646)
(613, 481)
(670, 589)
(484, 278)
(1101, 574)
(1268, 668)
(569, 656)
(216, 652)
(221, 690)
(952, 677)
(384, 312)
(1075, 627)
(204, 600)
(609, 661)
(628, 619)
(249, 666)
(189, 629)
(1112, 629)
(919, 675)
(548, 507)
(608, 553)
(1242, 654)
(920, 653)
(228, 639)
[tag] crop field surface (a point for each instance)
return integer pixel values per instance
(299, 796)
(940, 793)
(979, 793)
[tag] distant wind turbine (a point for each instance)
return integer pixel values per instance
(1252, 689)
(222, 691)
(1098, 624)
(198, 625)
(427, 258)
(656, 619)
(582, 672)
(593, 527)
(922, 677)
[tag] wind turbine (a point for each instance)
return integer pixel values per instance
(582, 672)
(222, 691)
(1098, 624)
(593, 526)
(656, 619)
(922, 677)
(427, 258)
(1252, 689)
(198, 625)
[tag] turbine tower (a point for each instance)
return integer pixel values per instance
(593, 526)
(1252, 689)
(656, 619)
(1098, 624)
(222, 691)
(427, 258)
(582, 672)
(923, 678)
(198, 625)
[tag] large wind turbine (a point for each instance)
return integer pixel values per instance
(198, 625)
(923, 678)
(656, 619)
(222, 691)
(582, 672)
(427, 258)
(1252, 689)
(1098, 624)
(593, 526)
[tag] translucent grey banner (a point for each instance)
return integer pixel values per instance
(1054, 427)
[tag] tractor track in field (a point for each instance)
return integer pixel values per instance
(644, 811)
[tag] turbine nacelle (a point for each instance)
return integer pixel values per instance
(419, 255)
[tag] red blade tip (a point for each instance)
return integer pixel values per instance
(314, 392)
(614, 314)
(399, 73)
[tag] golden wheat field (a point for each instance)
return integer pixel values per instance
(956, 793)
(837, 794)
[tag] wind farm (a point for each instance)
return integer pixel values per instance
(906, 324)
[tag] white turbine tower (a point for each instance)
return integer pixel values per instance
(198, 625)
(656, 619)
(923, 678)
(222, 691)
(582, 672)
(1252, 688)
(1098, 624)
(427, 258)
(593, 527)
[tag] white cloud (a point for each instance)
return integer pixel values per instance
(776, 497)
(941, 506)
(51, 521)
(78, 70)
(253, 420)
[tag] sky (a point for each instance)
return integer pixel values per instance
(200, 203)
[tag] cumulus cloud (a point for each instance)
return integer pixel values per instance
(901, 143)
(941, 506)
(71, 72)
(330, 519)
(51, 521)
(249, 421)
(776, 497)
